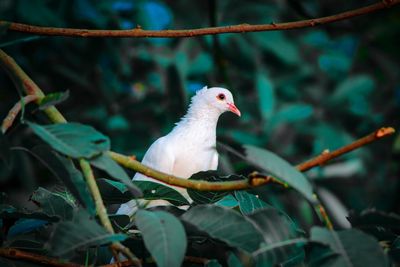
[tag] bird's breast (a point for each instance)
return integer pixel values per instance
(191, 159)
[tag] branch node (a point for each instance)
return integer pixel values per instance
(384, 131)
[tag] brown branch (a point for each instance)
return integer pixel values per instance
(128, 263)
(12, 114)
(13, 253)
(241, 28)
(255, 178)
(327, 156)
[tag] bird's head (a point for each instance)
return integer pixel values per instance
(219, 98)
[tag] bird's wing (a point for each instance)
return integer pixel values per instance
(159, 156)
(214, 161)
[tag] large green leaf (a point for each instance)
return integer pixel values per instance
(248, 203)
(264, 258)
(384, 226)
(53, 204)
(80, 233)
(354, 247)
(9, 212)
(206, 197)
(164, 237)
(280, 169)
(281, 240)
(72, 139)
(105, 163)
(64, 169)
(226, 225)
(115, 192)
(74, 181)
(266, 97)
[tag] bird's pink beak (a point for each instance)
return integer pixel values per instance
(234, 109)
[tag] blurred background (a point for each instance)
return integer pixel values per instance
(300, 91)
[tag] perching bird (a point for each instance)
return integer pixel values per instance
(191, 146)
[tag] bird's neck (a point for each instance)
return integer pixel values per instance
(200, 118)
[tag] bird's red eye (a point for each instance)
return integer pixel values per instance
(221, 96)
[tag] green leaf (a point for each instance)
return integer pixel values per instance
(116, 193)
(266, 96)
(383, 226)
(23, 226)
(226, 225)
(72, 139)
(9, 212)
(291, 113)
(228, 201)
(53, 99)
(353, 94)
(53, 204)
(64, 169)
(105, 163)
(74, 181)
(264, 260)
(213, 263)
(280, 234)
(206, 197)
(277, 44)
(280, 169)
(164, 237)
(233, 261)
(321, 255)
(201, 64)
(80, 233)
(20, 40)
(352, 87)
(248, 203)
(354, 247)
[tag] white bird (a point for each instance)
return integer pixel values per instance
(191, 145)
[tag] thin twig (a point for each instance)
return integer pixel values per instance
(12, 114)
(327, 156)
(241, 28)
(13, 253)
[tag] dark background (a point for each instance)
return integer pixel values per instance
(300, 91)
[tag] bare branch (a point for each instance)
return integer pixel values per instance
(13, 253)
(12, 114)
(241, 28)
(327, 156)
(255, 178)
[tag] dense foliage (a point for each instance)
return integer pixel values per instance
(300, 92)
